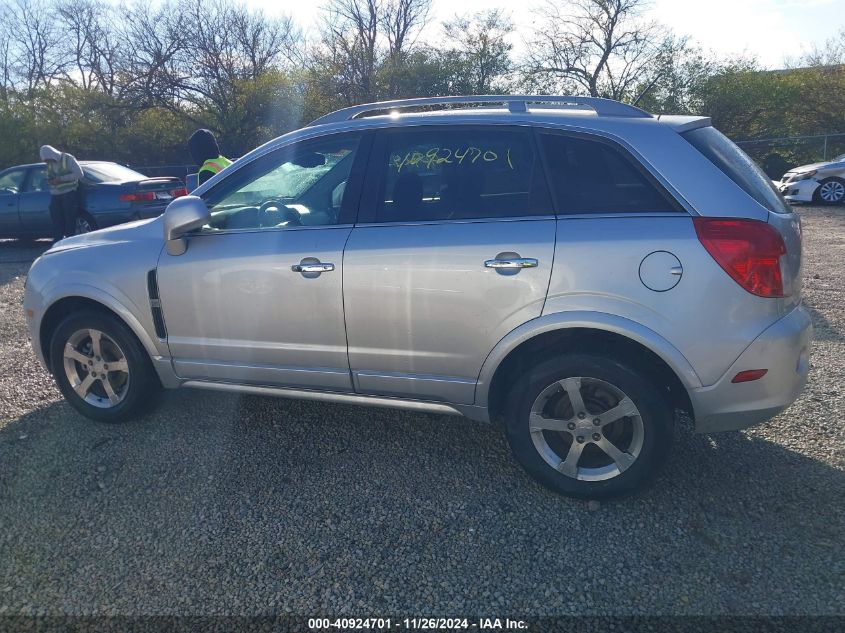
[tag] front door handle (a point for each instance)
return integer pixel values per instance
(511, 263)
(319, 267)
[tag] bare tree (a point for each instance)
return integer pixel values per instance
(350, 35)
(211, 62)
(94, 48)
(262, 42)
(364, 43)
(155, 38)
(36, 41)
(831, 53)
(6, 61)
(604, 48)
(402, 21)
(481, 45)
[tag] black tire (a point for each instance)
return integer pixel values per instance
(85, 219)
(654, 424)
(839, 185)
(140, 389)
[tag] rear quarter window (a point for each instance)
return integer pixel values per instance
(737, 166)
(590, 175)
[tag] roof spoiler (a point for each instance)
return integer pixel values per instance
(683, 123)
(516, 104)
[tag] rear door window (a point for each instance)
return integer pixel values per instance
(737, 166)
(591, 175)
(456, 173)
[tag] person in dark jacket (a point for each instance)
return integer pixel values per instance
(206, 153)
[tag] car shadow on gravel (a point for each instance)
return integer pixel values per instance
(296, 504)
(823, 329)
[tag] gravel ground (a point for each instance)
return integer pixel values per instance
(220, 504)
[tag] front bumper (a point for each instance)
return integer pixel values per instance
(798, 191)
(33, 309)
(784, 350)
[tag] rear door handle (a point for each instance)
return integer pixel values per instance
(319, 267)
(511, 263)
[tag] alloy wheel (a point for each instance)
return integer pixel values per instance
(96, 368)
(832, 192)
(586, 428)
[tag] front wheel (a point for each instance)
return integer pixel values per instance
(588, 426)
(830, 191)
(101, 367)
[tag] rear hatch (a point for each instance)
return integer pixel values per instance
(749, 177)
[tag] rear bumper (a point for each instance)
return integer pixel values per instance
(800, 191)
(784, 350)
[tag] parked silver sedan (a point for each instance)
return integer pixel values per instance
(573, 269)
(822, 183)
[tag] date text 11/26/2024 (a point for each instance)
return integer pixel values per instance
(423, 623)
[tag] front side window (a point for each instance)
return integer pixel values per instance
(38, 180)
(302, 184)
(457, 174)
(593, 176)
(11, 181)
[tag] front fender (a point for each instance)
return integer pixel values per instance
(583, 319)
(108, 296)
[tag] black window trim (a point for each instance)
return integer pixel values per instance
(370, 198)
(354, 187)
(631, 156)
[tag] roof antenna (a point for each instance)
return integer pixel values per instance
(647, 89)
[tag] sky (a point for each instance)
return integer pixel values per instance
(771, 30)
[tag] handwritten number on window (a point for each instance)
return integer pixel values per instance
(443, 155)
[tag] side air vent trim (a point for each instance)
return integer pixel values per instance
(155, 305)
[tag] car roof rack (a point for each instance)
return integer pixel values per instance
(515, 103)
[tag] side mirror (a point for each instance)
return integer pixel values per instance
(182, 216)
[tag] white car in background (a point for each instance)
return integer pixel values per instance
(822, 183)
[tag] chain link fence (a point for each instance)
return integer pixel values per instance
(780, 154)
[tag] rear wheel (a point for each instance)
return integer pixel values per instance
(85, 223)
(830, 191)
(101, 368)
(588, 426)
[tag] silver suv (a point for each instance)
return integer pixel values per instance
(574, 269)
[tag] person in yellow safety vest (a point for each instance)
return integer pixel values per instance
(206, 153)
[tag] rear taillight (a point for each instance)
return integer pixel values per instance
(141, 196)
(178, 193)
(748, 250)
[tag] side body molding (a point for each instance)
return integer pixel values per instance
(583, 319)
